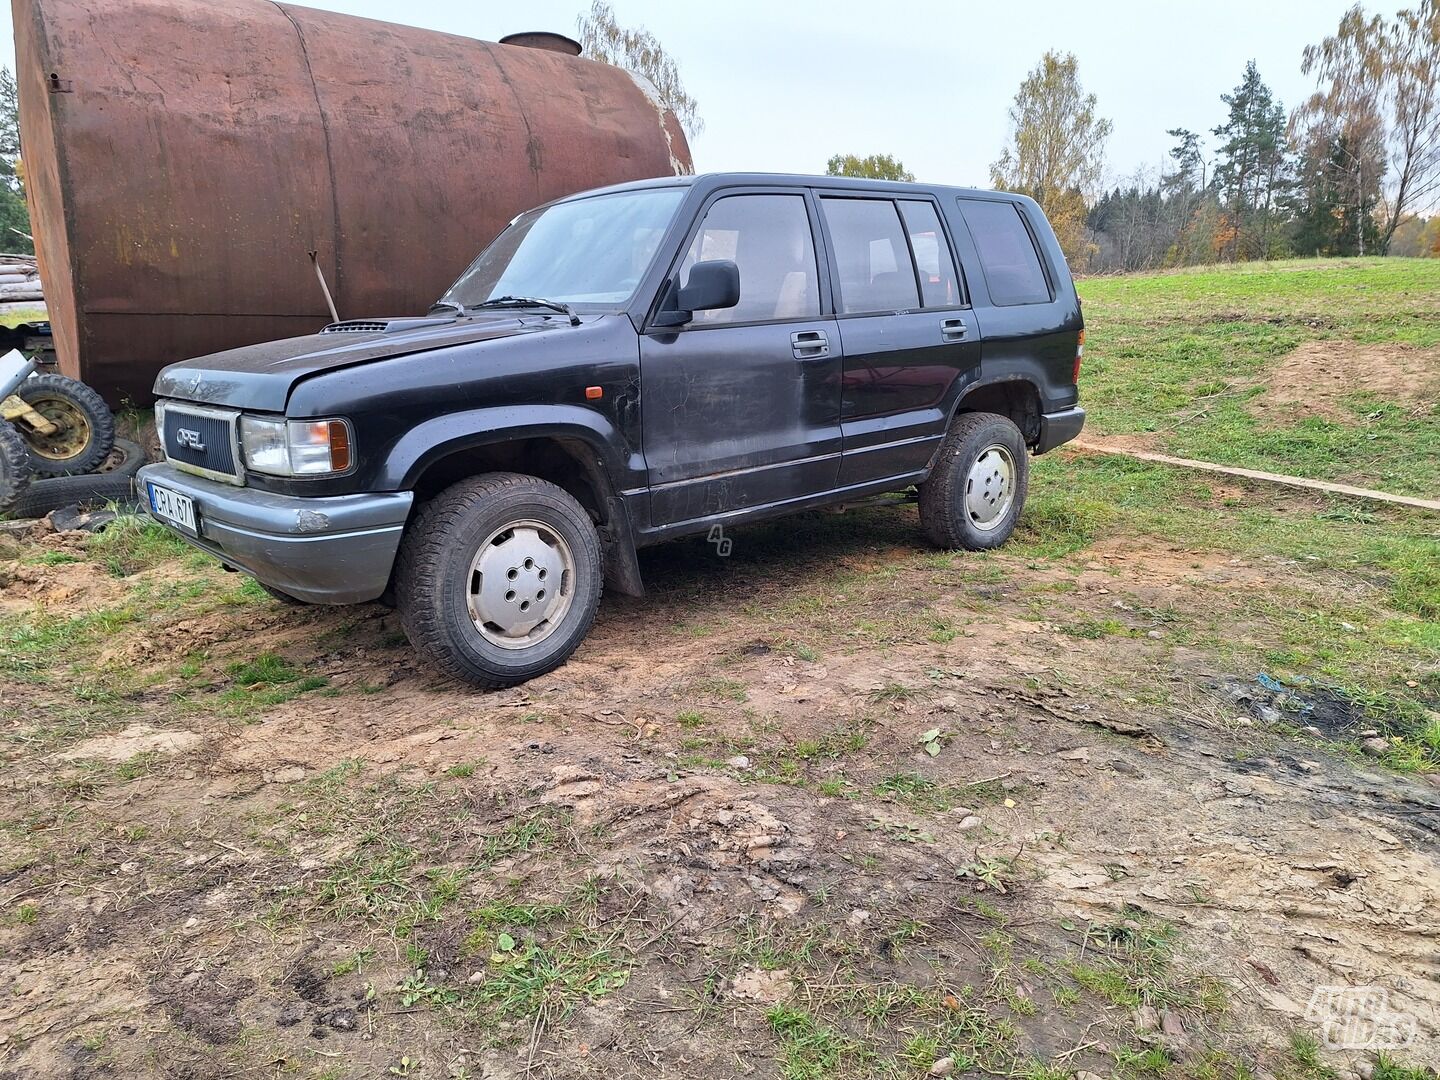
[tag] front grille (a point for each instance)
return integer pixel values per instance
(202, 440)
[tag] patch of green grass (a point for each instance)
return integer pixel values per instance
(1183, 357)
(1387, 1068)
(809, 1050)
(539, 829)
(26, 914)
(1129, 963)
(530, 978)
(1304, 1053)
(920, 793)
(264, 682)
(52, 558)
(353, 963)
(133, 543)
(894, 692)
(716, 687)
(23, 315)
(691, 720)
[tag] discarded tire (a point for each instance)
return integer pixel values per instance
(91, 490)
(124, 460)
(85, 426)
(14, 467)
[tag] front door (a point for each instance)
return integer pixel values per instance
(906, 327)
(741, 407)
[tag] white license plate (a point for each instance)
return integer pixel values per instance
(171, 506)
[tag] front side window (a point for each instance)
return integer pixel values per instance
(768, 237)
(872, 256)
(1007, 253)
(591, 251)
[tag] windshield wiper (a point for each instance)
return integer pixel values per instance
(531, 301)
(459, 309)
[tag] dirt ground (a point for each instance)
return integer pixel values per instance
(1316, 378)
(834, 805)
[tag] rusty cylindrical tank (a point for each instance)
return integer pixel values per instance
(184, 156)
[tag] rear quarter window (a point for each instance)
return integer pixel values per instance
(1007, 253)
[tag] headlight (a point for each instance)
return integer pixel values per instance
(295, 447)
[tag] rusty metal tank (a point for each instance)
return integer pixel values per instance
(185, 156)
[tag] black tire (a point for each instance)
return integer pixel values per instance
(950, 517)
(87, 426)
(92, 490)
(436, 580)
(14, 467)
(125, 459)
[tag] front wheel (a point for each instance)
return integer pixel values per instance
(499, 579)
(976, 490)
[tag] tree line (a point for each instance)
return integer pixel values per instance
(1353, 170)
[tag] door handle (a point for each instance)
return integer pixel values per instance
(952, 329)
(809, 344)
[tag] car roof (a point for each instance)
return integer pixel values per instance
(711, 181)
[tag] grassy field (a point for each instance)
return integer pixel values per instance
(1187, 358)
(836, 807)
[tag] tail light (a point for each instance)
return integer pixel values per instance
(1079, 356)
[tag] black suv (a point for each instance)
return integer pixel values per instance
(621, 367)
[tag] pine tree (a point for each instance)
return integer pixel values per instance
(1253, 171)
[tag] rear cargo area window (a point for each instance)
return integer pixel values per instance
(871, 253)
(1007, 253)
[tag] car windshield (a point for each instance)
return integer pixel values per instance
(588, 251)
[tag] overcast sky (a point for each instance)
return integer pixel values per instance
(783, 85)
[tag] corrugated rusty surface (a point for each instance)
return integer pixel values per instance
(197, 151)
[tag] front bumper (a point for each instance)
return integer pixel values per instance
(1059, 427)
(333, 550)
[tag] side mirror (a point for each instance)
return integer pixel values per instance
(714, 284)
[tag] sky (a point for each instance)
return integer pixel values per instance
(782, 86)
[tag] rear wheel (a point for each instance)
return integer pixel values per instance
(14, 467)
(499, 579)
(84, 426)
(977, 489)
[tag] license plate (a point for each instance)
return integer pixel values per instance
(171, 506)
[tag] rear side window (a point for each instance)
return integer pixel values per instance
(938, 281)
(1007, 253)
(871, 254)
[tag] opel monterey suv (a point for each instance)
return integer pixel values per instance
(619, 368)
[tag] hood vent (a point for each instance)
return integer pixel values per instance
(383, 326)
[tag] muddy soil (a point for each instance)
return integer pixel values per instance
(726, 811)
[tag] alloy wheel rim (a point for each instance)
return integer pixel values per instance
(990, 487)
(521, 584)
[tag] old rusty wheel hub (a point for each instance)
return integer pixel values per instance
(72, 432)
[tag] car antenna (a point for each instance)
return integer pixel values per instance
(329, 300)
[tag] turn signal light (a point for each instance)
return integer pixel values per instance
(1079, 356)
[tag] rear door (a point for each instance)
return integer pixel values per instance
(1024, 297)
(906, 327)
(742, 406)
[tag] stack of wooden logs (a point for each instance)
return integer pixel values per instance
(19, 280)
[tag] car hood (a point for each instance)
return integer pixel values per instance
(261, 377)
